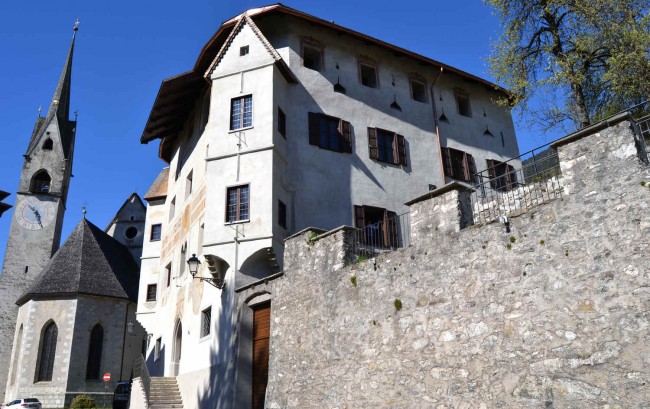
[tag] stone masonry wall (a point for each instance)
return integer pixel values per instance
(553, 314)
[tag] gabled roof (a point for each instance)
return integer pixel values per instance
(135, 198)
(158, 189)
(90, 262)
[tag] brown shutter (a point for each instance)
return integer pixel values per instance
(359, 219)
(492, 173)
(372, 143)
(512, 176)
(391, 229)
(472, 169)
(260, 364)
(314, 129)
(446, 161)
(466, 173)
(346, 143)
(401, 149)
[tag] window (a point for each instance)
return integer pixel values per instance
(241, 112)
(93, 366)
(199, 246)
(379, 226)
(502, 176)
(188, 184)
(282, 123)
(462, 103)
(418, 91)
(282, 214)
(243, 51)
(206, 321)
(157, 349)
(368, 75)
(458, 165)
(386, 146)
(237, 204)
(47, 352)
(168, 273)
(183, 260)
(48, 144)
(312, 56)
(40, 182)
(156, 232)
(328, 132)
(151, 292)
(172, 209)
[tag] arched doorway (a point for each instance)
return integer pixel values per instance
(178, 348)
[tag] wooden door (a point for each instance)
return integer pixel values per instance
(261, 333)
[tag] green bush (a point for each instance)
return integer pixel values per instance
(83, 402)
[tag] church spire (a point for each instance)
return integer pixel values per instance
(60, 104)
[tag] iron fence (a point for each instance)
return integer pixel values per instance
(382, 237)
(514, 186)
(140, 371)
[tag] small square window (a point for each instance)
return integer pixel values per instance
(172, 209)
(418, 91)
(188, 184)
(168, 273)
(282, 123)
(241, 112)
(237, 204)
(151, 292)
(157, 349)
(183, 260)
(243, 51)
(282, 214)
(463, 104)
(368, 75)
(156, 232)
(206, 321)
(312, 57)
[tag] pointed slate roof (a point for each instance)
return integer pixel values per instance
(59, 108)
(90, 262)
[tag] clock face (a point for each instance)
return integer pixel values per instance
(34, 214)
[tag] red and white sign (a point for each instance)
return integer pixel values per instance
(107, 377)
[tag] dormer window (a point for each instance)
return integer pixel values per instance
(41, 182)
(48, 144)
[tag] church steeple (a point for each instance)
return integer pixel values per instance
(59, 106)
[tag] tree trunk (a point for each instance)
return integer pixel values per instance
(579, 105)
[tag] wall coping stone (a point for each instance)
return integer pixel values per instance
(264, 280)
(590, 130)
(440, 191)
(305, 230)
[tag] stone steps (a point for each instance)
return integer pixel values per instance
(164, 394)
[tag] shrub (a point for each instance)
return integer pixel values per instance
(83, 402)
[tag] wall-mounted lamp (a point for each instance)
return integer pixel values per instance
(217, 279)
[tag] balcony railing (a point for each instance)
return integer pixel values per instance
(382, 237)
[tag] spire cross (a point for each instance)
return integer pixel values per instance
(83, 209)
(76, 25)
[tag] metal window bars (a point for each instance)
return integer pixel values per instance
(382, 237)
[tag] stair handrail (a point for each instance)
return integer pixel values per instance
(140, 371)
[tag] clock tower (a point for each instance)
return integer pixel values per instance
(37, 220)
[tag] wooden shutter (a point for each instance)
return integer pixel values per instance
(511, 176)
(392, 238)
(472, 169)
(466, 172)
(401, 149)
(446, 161)
(359, 219)
(314, 129)
(261, 333)
(492, 173)
(372, 143)
(346, 136)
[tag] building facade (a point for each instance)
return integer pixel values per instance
(287, 121)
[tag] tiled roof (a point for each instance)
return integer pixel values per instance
(90, 262)
(158, 189)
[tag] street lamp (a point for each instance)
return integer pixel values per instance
(216, 280)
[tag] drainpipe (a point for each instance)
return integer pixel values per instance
(437, 123)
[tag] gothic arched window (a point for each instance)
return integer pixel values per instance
(95, 352)
(48, 144)
(47, 352)
(40, 182)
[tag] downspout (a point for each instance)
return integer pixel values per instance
(437, 124)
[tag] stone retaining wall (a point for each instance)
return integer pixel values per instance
(553, 313)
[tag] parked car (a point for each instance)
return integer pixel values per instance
(121, 395)
(23, 403)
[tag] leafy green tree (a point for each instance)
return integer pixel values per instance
(594, 55)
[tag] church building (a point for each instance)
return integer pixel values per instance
(288, 121)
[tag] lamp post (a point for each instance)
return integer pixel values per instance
(217, 280)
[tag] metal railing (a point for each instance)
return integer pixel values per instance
(516, 185)
(382, 237)
(140, 371)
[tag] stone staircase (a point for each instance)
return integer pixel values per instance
(164, 394)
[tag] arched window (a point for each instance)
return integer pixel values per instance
(48, 144)
(95, 352)
(19, 342)
(40, 182)
(47, 352)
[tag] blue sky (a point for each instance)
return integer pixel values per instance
(125, 49)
